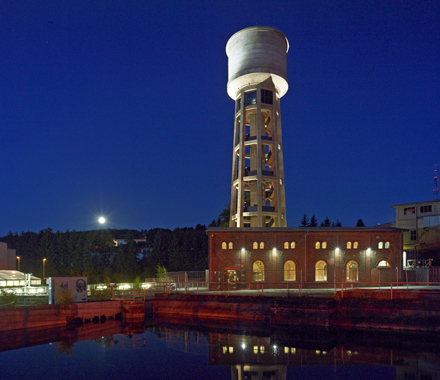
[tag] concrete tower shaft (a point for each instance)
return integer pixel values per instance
(257, 81)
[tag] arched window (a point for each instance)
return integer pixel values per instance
(289, 271)
(292, 245)
(352, 271)
(383, 263)
(387, 245)
(262, 245)
(321, 271)
(231, 245)
(324, 245)
(258, 270)
(380, 245)
(255, 245)
(317, 245)
(355, 245)
(348, 244)
(224, 245)
(286, 245)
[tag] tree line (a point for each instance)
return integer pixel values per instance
(93, 254)
(313, 222)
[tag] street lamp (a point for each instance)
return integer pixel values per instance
(18, 258)
(44, 267)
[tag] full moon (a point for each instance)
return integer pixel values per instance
(101, 220)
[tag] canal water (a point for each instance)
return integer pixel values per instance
(169, 349)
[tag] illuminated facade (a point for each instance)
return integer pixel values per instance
(281, 256)
(257, 79)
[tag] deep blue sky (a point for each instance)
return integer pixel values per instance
(120, 108)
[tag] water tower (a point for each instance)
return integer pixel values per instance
(257, 80)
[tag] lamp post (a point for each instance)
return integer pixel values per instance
(18, 259)
(44, 267)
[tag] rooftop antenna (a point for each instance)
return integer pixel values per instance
(435, 183)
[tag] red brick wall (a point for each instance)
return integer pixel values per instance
(304, 255)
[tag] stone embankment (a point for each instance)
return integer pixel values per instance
(353, 313)
(28, 317)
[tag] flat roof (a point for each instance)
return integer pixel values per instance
(8, 275)
(416, 203)
(302, 229)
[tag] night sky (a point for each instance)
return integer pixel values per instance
(120, 108)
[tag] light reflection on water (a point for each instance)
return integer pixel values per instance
(167, 350)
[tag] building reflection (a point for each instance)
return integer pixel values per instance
(254, 357)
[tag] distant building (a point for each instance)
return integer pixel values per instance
(7, 257)
(278, 256)
(421, 238)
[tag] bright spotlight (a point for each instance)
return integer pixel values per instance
(101, 220)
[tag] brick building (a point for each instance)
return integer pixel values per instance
(277, 256)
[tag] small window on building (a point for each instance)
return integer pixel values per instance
(383, 263)
(426, 208)
(387, 245)
(348, 244)
(266, 96)
(317, 245)
(321, 271)
(224, 245)
(289, 271)
(292, 245)
(258, 270)
(255, 245)
(250, 98)
(409, 210)
(262, 245)
(286, 245)
(231, 245)
(324, 245)
(414, 235)
(380, 245)
(355, 245)
(239, 104)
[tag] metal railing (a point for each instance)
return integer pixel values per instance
(287, 289)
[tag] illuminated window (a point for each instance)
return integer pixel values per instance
(255, 349)
(231, 349)
(409, 210)
(255, 245)
(292, 245)
(289, 271)
(324, 245)
(262, 349)
(231, 245)
(387, 245)
(317, 245)
(286, 245)
(258, 270)
(250, 98)
(262, 245)
(224, 245)
(380, 245)
(355, 245)
(348, 244)
(352, 271)
(321, 271)
(383, 263)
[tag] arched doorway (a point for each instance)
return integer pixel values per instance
(352, 271)
(289, 271)
(258, 270)
(321, 271)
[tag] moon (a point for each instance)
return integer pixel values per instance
(101, 220)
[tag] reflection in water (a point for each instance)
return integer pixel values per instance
(166, 349)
